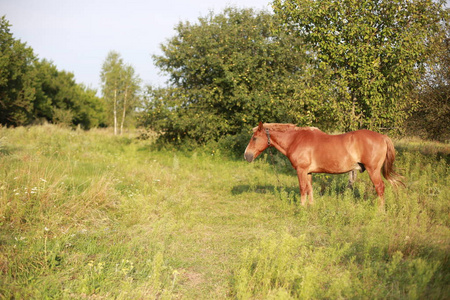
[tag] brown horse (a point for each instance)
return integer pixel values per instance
(313, 151)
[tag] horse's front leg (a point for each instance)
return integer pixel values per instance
(304, 181)
(310, 189)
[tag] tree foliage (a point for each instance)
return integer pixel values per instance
(34, 90)
(227, 72)
(431, 119)
(61, 100)
(375, 50)
(16, 78)
(120, 88)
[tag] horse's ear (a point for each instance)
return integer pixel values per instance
(260, 126)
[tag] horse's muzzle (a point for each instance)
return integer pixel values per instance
(248, 156)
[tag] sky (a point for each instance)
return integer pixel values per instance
(76, 35)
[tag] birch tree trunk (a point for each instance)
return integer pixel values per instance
(124, 110)
(115, 112)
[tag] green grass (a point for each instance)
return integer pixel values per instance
(86, 215)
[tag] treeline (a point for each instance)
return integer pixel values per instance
(339, 65)
(35, 91)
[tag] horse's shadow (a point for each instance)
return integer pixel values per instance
(322, 187)
(261, 189)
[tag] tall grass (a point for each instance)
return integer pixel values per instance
(92, 215)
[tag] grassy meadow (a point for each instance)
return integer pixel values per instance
(87, 215)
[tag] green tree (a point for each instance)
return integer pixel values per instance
(56, 91)
(162, 113)
(120, 88)
(110, 77)
(431, 119)
(130, 89)
(17, 92)
(229, 71)
(89, 110)
(375, 50)
(60, 99)
(46, 91)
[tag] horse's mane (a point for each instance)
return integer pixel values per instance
(284, 127)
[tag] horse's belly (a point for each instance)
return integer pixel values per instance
(334, 167)
(326, 159)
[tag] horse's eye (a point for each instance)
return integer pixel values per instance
(254, 139)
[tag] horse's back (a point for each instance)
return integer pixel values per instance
(368, 134)
(367, 138)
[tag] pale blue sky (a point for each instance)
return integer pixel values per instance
(78, 34)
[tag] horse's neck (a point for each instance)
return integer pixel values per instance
(281, 140)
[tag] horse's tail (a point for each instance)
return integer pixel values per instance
(388, 166)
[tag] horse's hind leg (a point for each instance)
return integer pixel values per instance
(351, 178)
(375, 176)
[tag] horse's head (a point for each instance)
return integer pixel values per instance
(258, 143)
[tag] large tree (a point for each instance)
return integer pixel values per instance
(227, 72)
(375, 50)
